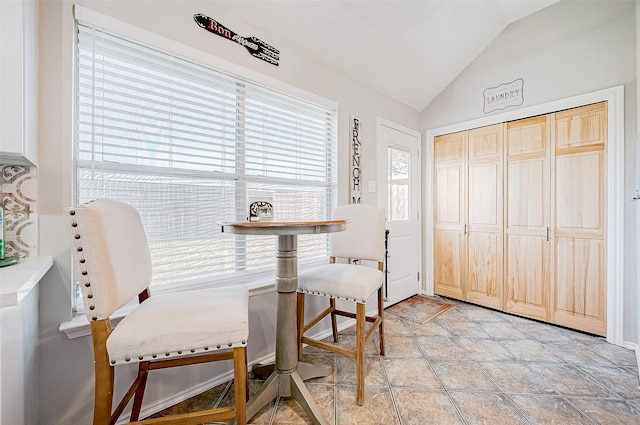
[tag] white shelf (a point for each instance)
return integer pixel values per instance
(18, 280)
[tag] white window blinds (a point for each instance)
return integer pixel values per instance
(187, 145)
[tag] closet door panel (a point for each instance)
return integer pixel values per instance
(527, 136)
(527, 205)
(483, 195)
(578, 285)
(580, 297)
(449, 215)
(579, 193)
(485, 212)
(485, 269)
(526, 194)
(449, 255)
(448, 196)
(527, 276)
(581, 127)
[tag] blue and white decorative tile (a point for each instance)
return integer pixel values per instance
(18, 196)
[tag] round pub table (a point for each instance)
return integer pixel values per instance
(288, 376)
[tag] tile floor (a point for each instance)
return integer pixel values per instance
(469, 365)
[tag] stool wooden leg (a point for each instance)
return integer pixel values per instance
(360, 352)
(104, 373)
(240, 384)
(143, 373)
(334, 321)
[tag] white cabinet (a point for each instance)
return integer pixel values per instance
(18, 81)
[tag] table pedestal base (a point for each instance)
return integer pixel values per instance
(290, 384)
(288, 376)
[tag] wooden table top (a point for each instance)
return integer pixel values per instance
(292, 227)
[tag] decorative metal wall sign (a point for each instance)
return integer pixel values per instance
(18, 196)
(503, 96)
(254, 45)
(355, 189)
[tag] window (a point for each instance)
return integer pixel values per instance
(187, 145)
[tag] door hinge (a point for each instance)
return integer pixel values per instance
(418, 276)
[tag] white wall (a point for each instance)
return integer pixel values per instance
(568, 49)
(637, 203)
(66, 373)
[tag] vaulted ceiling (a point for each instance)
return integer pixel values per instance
(408, 50)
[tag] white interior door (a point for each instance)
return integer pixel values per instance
(399, 194)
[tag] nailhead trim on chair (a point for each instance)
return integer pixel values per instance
(192, 350)
(84, 274)
(336, 297)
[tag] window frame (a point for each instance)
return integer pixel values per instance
(257, 281)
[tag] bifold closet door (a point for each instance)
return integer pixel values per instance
(449, 214)
(485, 216)
(528, 227)
(579, 281)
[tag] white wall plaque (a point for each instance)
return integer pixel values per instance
(503, 96)
(355, 172)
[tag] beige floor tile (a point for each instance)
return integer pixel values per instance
(394, 325)
(502, 330)
(468, 329)
(289, 411)
(621, 381)
(544, 410)
(378, 408)
(530, 351)
(463, 375)
(373, 373)
(425, 407)
(577, 353)
(618, 355)
(442, 348)
(431, 328)
(487, 408)
(609, 412)
(485, 349)
(415, 373)
(570, 381)
(516, 378)
(401, 346)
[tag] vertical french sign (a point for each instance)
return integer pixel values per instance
(355, 170)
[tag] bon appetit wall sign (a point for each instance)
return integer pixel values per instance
(254, 45)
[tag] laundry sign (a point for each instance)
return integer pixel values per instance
(355, 188)
(254, 45)
(503, 96)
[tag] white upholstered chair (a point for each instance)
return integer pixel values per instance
(113, 266)
(362, 240)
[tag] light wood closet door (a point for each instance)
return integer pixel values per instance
(527, 218)
(579, 280)
(485, 216)
(449, 215)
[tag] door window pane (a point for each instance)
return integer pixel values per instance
(399, 166)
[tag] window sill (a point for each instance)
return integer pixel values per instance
(79, 325)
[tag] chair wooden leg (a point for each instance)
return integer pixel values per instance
(240, 384)
(300, 316)
(360, 352)
(104, 374)
(381, 316)
(143, 373)
(334, 320)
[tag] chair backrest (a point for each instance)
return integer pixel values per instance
(364, 237)
(111, 255)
